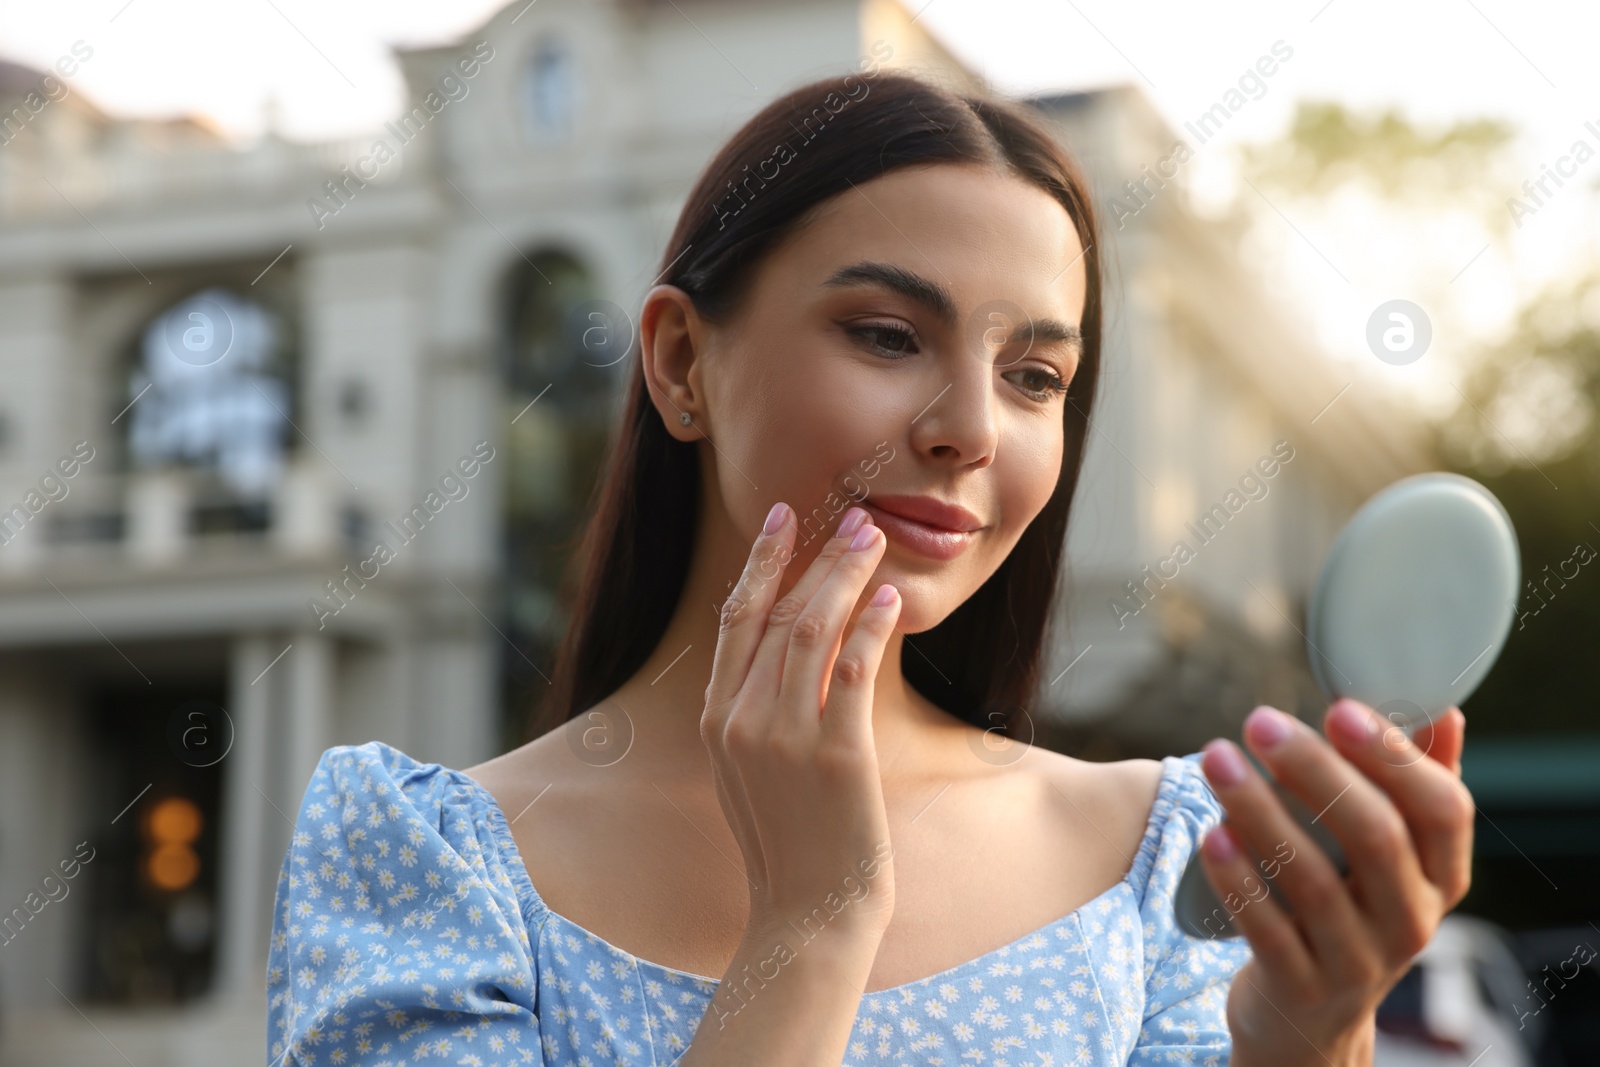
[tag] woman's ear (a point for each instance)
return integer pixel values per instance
(671, 341)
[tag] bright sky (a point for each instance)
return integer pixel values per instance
(328, 61)
(328, 66)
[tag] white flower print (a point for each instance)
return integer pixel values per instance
(466, 965)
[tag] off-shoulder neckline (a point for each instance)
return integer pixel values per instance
(1137, 877)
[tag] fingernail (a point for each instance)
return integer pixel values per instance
(1268, 727)
(1220, 845)
(1351, 721)
(775, 518)
(884, 596)
(1223, 764)
(864, 537)
(851, 522)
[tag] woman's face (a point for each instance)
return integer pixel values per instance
(872, 360)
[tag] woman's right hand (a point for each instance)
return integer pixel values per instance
(788, 724)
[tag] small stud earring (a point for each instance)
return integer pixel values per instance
(684, 417)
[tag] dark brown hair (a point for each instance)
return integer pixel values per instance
(981, 663)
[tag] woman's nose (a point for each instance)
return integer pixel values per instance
(960, 419)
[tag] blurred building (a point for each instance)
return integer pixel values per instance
(1222, 427)
(227, 374)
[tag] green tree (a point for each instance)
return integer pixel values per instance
(1524, 421)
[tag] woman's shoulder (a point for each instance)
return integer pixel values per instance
(1152, 811)
(1113, 797)
(1184, 980)
(396, 899)
(548, 763)
(377, 773)
(400, 813)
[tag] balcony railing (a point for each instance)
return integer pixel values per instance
(161, 518)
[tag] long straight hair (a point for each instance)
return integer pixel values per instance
(981, 663)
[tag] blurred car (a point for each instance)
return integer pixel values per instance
(1465, 1002)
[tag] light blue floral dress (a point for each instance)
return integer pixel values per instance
(406, 930)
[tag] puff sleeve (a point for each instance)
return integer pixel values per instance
(397, 935)
(1186, 979)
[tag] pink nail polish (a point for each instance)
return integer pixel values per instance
(884, 596)
(851, 522)
(1268, 727)
(775, 518)
(864, 537)
(1223, 764)
(1351, 722)
(1220, 845)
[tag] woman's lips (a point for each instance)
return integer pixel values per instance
(935, 542)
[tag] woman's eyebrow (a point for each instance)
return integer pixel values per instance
(909, 284)
(1049, 331)
(936, 298)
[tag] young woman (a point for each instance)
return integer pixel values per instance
(781, 823)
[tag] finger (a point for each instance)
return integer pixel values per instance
(741, 626)
(818, 629)
(1385, 871)
(1274, 939)
(855, 671)
(767, 667)
(1443, 738)
(1300, 870)
(756, 604)
(744, 613)
(1429, 794)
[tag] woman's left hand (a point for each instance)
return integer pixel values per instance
(1404, 819)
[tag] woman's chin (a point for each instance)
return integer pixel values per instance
(918, 612)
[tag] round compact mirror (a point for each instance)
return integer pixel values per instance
(1416, 598)
(1414, 603)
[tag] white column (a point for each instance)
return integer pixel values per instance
(157, 506)
(309, 711)
(402, 727)
(307, 509)
(456, 716)
(246, 876)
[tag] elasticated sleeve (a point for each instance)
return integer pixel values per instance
(1186, 979)
(396, 933)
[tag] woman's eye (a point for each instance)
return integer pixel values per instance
(1039, 382)
(891, 339)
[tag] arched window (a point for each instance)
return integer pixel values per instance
(211, 389)
(550, 92)
(562, 358)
